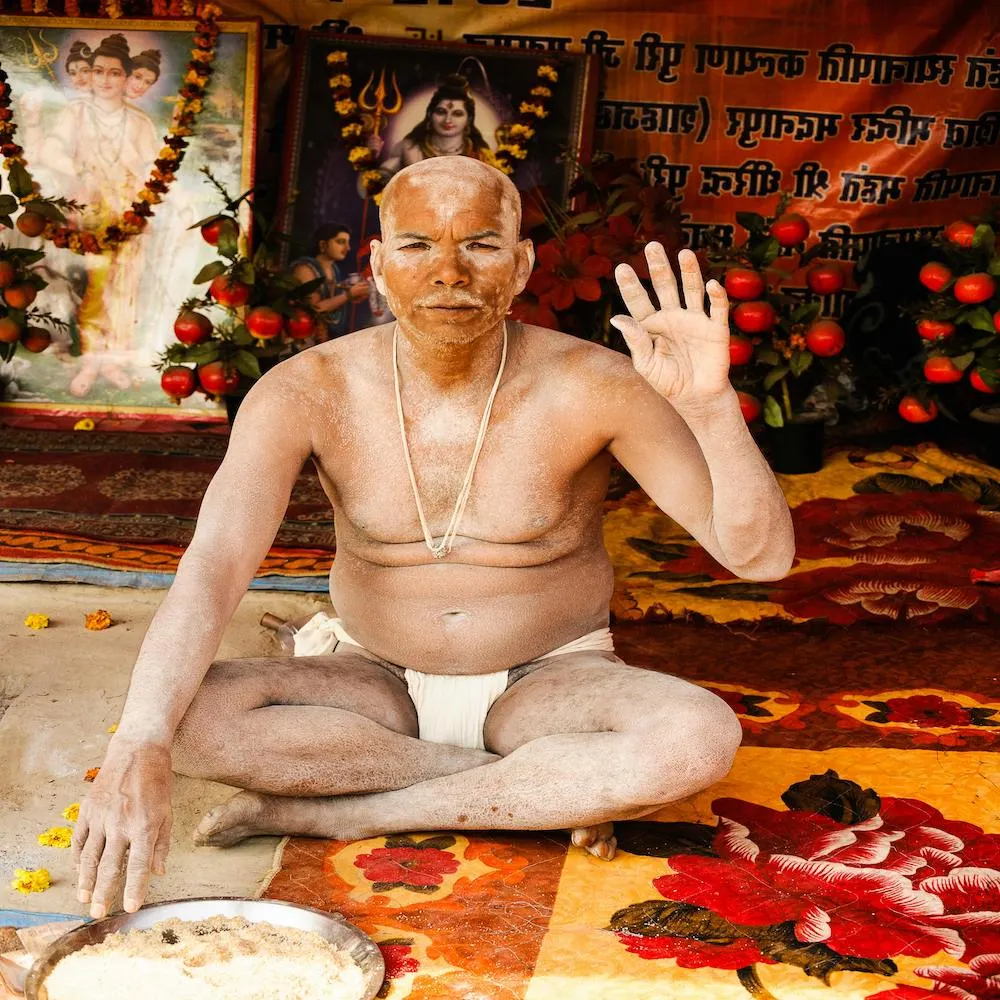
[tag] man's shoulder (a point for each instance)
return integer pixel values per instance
(574, 353)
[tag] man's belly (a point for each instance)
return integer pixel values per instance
(455, 618)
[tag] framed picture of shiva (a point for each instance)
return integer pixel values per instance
(362, 108)
(113, 125)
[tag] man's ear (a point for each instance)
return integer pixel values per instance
(525, 262)
(376, 264)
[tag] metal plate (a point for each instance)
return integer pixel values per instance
(331, 926)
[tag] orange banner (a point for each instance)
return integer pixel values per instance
(880, 132)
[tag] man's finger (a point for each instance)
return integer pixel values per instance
(160, 851)
(719, 304)
(137, 875)
(80, 834)
(90, 858)
(637, 339)
(109, 874)
(662, 276)
(634, 295)
(691, 279)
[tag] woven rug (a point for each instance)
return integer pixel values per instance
(881, 536)
(853, 852)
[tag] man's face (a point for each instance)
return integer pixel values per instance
(450, 261)
(108, 78)
(337, 247)
(139, 81)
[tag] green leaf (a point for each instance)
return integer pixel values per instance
(624, 207)
(247, 364)
(752, 222)
(983, 341)
(245, 272)
(771, 250)
(994, 265)
(962, 361)
(6, 220)
(773, 377)
(807, 312)
(801, 360)
(768, 356)
(241, 336)
(8, 204)
(20, 180)
(442, 843)
(772, 413)
(984, 238)
(228, 239)
(47, 210)
(584, 218)
(658, 551)
(209, 272)
(202, 354)
(979, 318)
(991, 378)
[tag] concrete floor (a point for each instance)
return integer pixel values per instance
(60, 690)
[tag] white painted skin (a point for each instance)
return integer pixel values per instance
(327, 746)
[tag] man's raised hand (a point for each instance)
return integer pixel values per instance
(679, 349)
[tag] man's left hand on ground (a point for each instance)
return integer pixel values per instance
(682, 352)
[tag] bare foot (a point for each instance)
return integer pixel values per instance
(83, 380)
(597, 840)
(118, 378)
(247, 814)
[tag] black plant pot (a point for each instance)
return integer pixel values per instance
(796, 448)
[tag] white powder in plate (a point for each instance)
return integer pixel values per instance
(214, 959)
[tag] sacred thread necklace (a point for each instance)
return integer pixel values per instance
(443, 547)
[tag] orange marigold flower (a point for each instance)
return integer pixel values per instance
(92, 773)
(98, 620)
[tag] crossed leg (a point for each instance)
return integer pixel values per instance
(583, 740)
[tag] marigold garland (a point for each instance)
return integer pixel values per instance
(512, 137)
(189, 104)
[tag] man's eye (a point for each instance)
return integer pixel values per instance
(484, 246)
(414, 246)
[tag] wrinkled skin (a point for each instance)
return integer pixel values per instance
(328, 745)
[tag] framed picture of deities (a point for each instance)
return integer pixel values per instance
(406, 100)
(94, 102)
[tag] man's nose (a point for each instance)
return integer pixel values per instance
(449, 270)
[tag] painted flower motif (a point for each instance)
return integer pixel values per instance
(414, 867)
(397, 958)
(72, 812)
(620, 240)
(28, 880)
(841, 880)
(36, 621)
(924, 710)
(56, 836)
(981, 981)
(568, 271)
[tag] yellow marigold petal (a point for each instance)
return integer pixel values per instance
(72, 812)
(56, 836)
(86, 424)
(98, 620)
(113, 729)
(37, 621)
(27, 880)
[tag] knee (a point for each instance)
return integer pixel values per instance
(683, 754)
(199, 742)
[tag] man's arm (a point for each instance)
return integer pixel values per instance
(702, 468)
(676, 425)
(128, 808)
(305, 273)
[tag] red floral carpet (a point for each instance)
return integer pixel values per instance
(853, 852)
(881, 536)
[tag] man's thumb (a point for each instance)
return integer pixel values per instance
(637, 339)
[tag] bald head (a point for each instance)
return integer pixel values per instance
(457, 179)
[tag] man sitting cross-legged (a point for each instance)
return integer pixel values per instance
(468, 680)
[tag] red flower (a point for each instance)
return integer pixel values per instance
(981, 981)
(422, 866)
(535, 311)
(397, 961)
(691, 954)
(568, 272)
(619, 240)
(927, 710)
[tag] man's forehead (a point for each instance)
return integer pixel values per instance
(459, 207)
